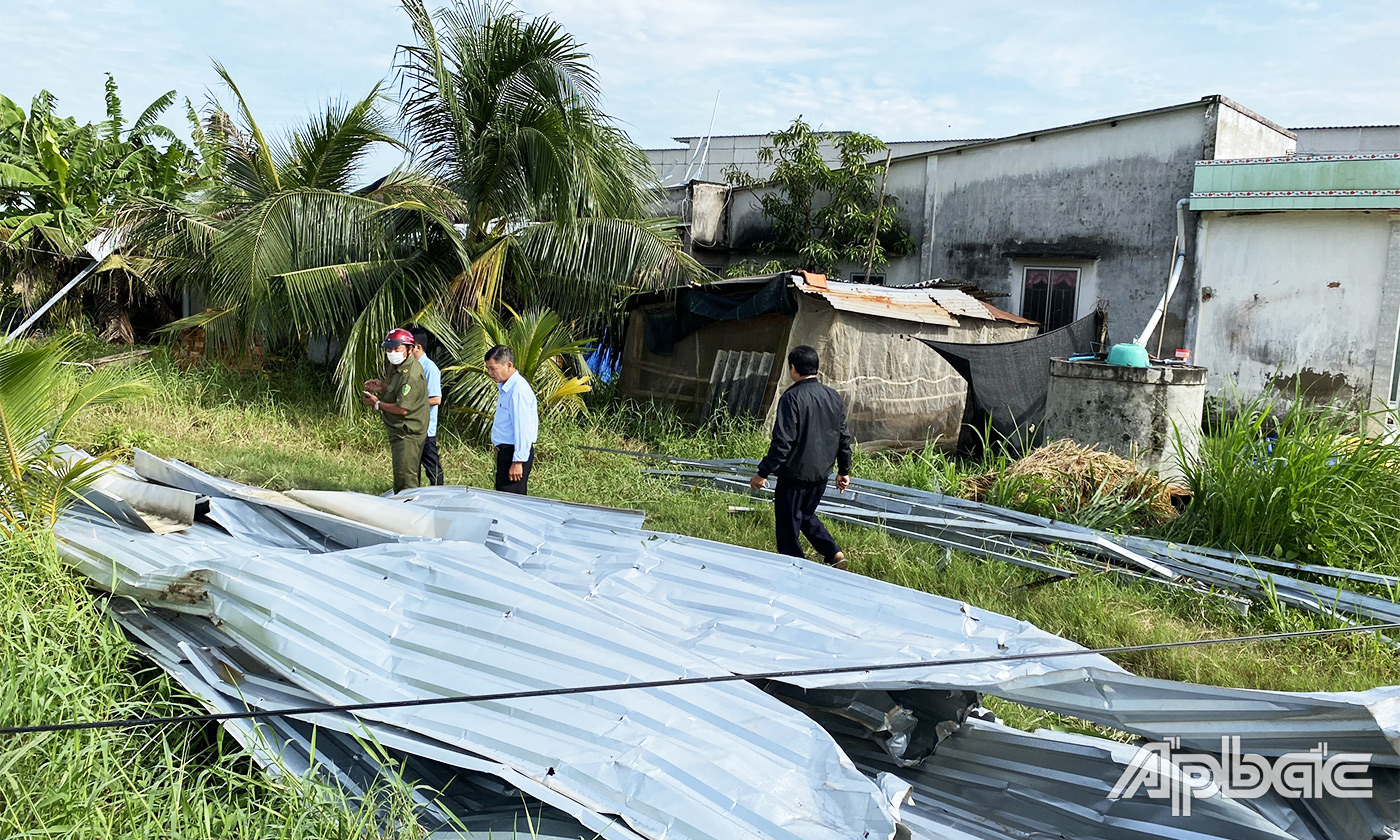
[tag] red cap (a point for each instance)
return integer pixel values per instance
(397, 337)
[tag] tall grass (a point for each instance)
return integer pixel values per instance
(1296, 483)
(63, 661)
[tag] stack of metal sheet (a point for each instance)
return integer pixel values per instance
(1064, 550)
(271, 601)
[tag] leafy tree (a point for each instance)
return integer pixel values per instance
(505, 110)
(823, 216)
(60, 182)
(36, 481)
(283, 245)
(527, 195)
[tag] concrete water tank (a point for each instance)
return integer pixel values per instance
(1134, 412)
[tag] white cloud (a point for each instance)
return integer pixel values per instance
(904, 70)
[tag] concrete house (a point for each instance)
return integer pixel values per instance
(1299, 275)
(1051, 224)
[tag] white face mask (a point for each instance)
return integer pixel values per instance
(396, 357)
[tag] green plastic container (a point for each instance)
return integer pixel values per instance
(1128, 355)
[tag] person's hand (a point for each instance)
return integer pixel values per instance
(374, 386)
(757, 482)
(842, 482)
(516, 471)
(369, 399)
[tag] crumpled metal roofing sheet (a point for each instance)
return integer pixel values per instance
(753, 611)
(208, 665)
(940, 307)
(429, 619)
(565, 595)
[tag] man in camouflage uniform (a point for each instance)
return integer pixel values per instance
(401, 398)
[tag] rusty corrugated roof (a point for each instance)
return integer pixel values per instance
(940, 307)
(881, 302)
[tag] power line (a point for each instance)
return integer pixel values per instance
(133, 723)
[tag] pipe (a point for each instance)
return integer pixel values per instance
(38, 313)
(1177, 266)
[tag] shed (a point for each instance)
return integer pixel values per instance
(723, 346)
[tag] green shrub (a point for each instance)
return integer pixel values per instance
(1296, 483)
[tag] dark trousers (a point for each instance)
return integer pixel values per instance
(430, 463)
(795, 510)
(504, 456)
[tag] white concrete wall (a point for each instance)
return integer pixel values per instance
(1348, 139)
(1294, 299)
(1240, 135)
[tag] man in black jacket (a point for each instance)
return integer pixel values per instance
(808, 436)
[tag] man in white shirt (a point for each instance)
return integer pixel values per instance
(517, 422)
(430, 463)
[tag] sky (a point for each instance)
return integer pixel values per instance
(902, 70)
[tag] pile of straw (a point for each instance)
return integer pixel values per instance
(1076, 474)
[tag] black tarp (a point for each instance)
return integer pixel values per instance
(697, 307)
(1007, 383)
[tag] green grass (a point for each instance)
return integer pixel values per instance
(279, 429)
(63, 661)
(1296, 485)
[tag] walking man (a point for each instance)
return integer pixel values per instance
(517, 422)
(401, 398)
(430, 462)
(809, 435)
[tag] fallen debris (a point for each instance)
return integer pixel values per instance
(271, 605)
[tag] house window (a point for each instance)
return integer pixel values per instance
(1049, 295)
(872, 279)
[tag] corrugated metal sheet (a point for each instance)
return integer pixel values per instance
(208, 665)
(941, 307)
(753, 611)
(960, 303)
(738, 383)
(431, 619)
(881, 302)
(563, 595)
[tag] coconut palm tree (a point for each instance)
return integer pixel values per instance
(504, 110)
(283, 246)
(526, 195)
(36, 482)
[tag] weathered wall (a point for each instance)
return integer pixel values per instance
(1139, 413)
(1294, 300)
(899, 393)
(1103, 194)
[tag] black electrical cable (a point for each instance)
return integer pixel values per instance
(132, 723)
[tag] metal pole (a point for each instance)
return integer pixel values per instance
(38, 313)
(879, 210)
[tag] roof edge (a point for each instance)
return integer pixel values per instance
(1257, 117)
(1203, 101)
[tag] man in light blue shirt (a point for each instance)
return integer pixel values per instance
(517, 422)
(430, 463)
